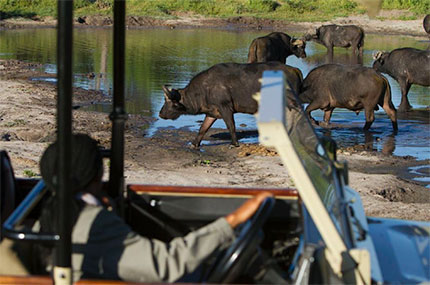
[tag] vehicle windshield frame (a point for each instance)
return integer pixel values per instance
(306, 142)
(283, 124)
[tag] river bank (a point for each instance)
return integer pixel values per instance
(166, 158)
(385, 23)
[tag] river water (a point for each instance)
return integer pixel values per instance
(155, 57)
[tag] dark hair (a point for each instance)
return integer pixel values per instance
(85, 158)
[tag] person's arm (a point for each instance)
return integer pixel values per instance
(248, 209)
(183, 255)
(146, 260)
(113, 249)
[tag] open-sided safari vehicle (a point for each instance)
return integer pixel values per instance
(315, 234)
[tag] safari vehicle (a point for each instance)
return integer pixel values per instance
(317, 233)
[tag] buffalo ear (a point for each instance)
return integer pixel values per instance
(172, 94)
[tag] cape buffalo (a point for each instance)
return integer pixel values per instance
(407, 66)
(339, 36)
(221, 91)
(275, 46)
(353, 87)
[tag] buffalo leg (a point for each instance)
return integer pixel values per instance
(228, 118)
(207, 123)
(405, 106)
(391, 112)
(327, 116)
(357, 49)
(360, 51)
(312, 106)
(330, 53)
(370, 117)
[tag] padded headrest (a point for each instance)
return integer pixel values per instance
(7, 187)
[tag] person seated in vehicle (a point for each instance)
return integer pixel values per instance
(105, 247)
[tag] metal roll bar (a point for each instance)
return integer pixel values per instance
(63, 260)
(118, 115)
(21, 212)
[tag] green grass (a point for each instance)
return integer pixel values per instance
(15, 123)
(296, 10)
(415, 6)
(29, 173)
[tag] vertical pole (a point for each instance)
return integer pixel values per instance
(62, 269)
(118, 115)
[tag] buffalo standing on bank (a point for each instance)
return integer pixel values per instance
(407, 66)
(339, 36)
(221, 91)
(275, 46)
(353, 87)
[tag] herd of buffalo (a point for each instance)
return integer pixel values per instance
(228, 88)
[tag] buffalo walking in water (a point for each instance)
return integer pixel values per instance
(407, 66)
(345, 36)
(353, 87)
(221, 91)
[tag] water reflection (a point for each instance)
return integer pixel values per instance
(342, 58)
(422, 173)
(386, 144)
(365, 140)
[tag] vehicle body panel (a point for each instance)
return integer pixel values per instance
(403, 249)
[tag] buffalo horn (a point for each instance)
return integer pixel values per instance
(297, 42)
(377, 55)
(167, 92)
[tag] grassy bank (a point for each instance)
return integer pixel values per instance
(297, 10)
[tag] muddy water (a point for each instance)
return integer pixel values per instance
(157, 56)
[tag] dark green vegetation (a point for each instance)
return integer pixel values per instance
(297, 10)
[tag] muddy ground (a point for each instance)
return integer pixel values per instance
(27, 126)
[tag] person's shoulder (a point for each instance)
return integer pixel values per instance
(103, 220)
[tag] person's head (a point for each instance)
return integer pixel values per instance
(86, 164)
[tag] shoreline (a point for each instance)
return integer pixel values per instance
(387, 26)
(166, 158)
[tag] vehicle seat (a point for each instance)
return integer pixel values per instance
(7, 188)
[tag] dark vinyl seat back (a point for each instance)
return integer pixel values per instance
(7, 188)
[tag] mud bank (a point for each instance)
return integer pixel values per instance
(383, 24)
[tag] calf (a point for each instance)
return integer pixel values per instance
(353, 87)
(275, 46)
(339, 36)
(407, 66)
(221, 91)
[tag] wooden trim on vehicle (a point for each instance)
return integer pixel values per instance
(10, 279)
(102, 282)
(41, 280)
(200, 191)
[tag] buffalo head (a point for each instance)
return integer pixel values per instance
(298, 47)
(310, 35)
(379, 58)
(172, 107)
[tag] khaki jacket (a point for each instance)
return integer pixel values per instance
(105, 247)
